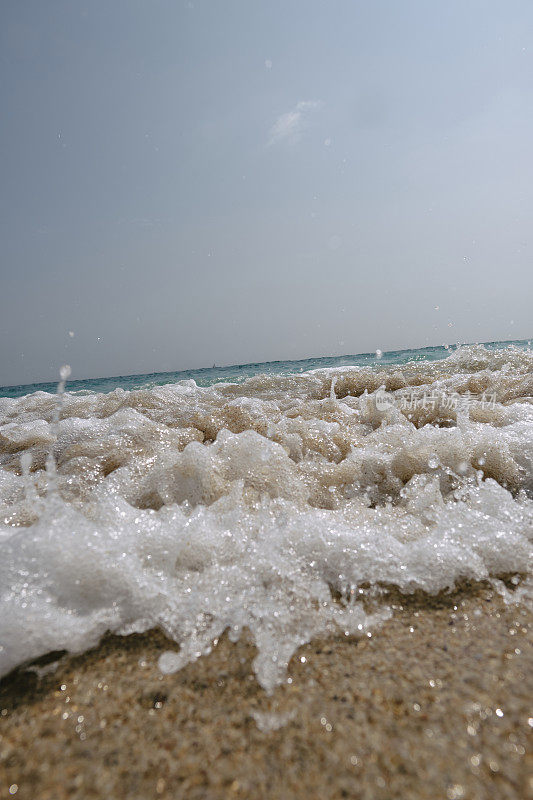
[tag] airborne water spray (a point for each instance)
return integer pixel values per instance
(51, 467)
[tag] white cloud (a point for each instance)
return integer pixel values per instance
(288, 127)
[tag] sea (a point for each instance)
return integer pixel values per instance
(287, 499)
(207, 376)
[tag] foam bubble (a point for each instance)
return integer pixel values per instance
(262, 506)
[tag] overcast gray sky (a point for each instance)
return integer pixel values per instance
(185, 183)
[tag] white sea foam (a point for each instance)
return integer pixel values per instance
(264, 505)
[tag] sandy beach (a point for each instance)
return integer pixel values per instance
(435, 704)
(266, 401)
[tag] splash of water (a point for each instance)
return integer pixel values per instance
(266, 505)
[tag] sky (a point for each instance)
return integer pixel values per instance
(184, 183)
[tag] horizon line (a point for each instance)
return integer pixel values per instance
(260, 363)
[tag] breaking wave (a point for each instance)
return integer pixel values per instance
(267, 505)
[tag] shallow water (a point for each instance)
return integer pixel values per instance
(271, 504)
(239, 372)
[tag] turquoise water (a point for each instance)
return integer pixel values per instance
(239, 372)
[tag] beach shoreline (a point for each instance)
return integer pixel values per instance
(435, 703)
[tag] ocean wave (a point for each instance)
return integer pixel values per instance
(267, 505)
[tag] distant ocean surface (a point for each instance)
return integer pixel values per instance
(236, 373)
(270, 498)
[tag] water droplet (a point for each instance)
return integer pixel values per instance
(169, 662)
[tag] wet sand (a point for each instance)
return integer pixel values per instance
(436, 704)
